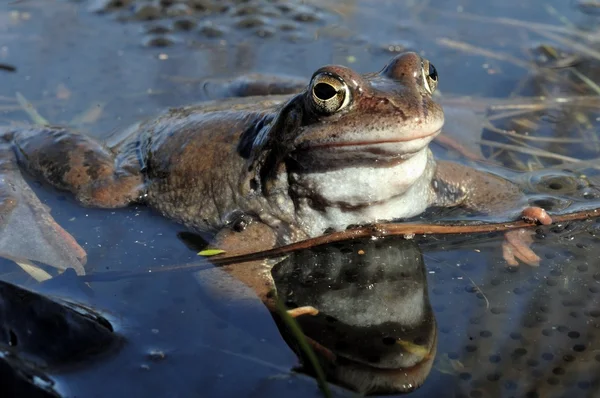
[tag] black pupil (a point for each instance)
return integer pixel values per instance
(324, 91)
(433, 72)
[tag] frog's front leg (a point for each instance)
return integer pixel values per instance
(255, 236)
(79, 164)
(251, 236)
(458, 185)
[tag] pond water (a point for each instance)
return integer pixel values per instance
(501, 332)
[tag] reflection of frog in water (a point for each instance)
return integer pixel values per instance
(367, 313)
(350, 149)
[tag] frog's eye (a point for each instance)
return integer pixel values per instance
(430, 76)
(329, 93)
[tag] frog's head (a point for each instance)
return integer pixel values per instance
(380, 117)
(344, 119)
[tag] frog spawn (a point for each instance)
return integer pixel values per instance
(527, 332)
(170, 22)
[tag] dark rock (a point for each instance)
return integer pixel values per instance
(20, 379)
(50, 333)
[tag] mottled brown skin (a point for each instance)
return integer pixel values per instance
(473, 189)
(264, 157)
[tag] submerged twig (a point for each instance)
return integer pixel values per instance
(571, 44)
(530, 151)
(8, 68)
(469, 48)
(513, 134)
(533, 26)
(31, 111)
(523, 103)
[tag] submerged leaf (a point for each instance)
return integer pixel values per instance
(413, 348)
(31, 111)
(90, 115)
(32, 269)
(449, 366)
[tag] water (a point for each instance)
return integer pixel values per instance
(501, 332)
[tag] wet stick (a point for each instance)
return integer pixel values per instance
(378, 230)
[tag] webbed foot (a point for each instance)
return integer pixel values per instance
(517, 242)
(517, 246)
(536, 214)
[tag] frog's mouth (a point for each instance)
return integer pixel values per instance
(370, 380)
(381, 150)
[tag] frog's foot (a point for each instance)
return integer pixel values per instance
(517, 243)
(306, 310)
(27, 230)
(536, 214)
(516, 246)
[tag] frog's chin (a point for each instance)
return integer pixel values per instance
(371, 380)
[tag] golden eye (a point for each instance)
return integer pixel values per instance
(329, 93)
(430, 76)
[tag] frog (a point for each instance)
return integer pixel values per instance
(349, 149)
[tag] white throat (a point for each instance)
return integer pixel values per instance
(363, 194)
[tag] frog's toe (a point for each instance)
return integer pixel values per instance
(306, 310)
(536, 215)
(517, 246)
